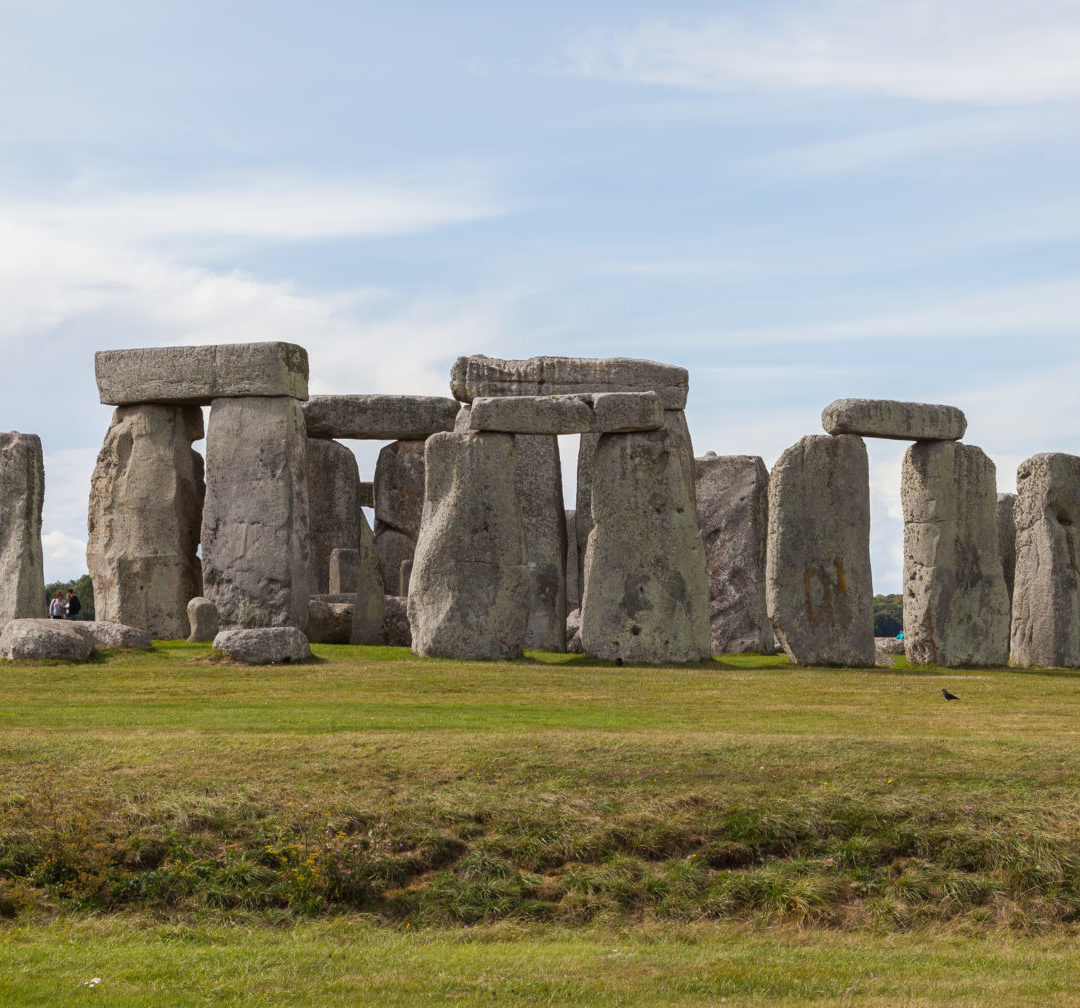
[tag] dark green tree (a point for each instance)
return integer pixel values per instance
(888, 615)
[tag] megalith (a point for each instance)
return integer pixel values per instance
(818, 587)
(956, 607)
(146, 499)
(22, 491)
(733, 514)
(1046, 599)
(573, 573)
(399, 505)
(335, 517)
(645, 594)
(369, 609)
(255, 519)
(469, 591)
(1006, 526)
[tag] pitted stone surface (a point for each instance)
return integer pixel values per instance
(899, 421)
(280, 645)
(146, 499)
(399, 504)
(203, 619)
(956, 607)
(106, 634)
(818, 588)
(646, 593)
(610, 412)
(469, 593)
(367, 494)
(1006, 526)
(197, 375)
(329, 622)
(255, 521)
(396, 625)
(733, 515)
(335, 516)
(476, 376)
(1046, 601)
(22, 492)
(44, 638)
(379, 417)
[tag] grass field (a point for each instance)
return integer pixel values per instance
(375, 826)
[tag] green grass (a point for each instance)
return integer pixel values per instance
(432, 811)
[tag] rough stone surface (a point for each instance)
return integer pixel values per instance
(603, 413)
(203, 619)
(1006, 526)
(146, 499)
(573, 632)
(255, 520)
(44, 638)
(538, 477)
(367, 494)
(280, 645)
(817, 570)
(469, 593)
(899, 421)
(344, 569)
(1046, 600)
(733, 514)
(106, 634)
(22, 491)
(399, 504)
(956, 607)
(889, 645)
(369, 612)
(476, 376)
(334, 514)
(396, 625)
(379, 417)
(646, 594)
(329, 622)
(405, 577)
(573, 572)
(197, 375)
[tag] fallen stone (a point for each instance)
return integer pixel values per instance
(956, 607)
(197, 375)
(818, 588)
(22, 492)
(281, 645)
(202, 618)
(469, 592)
(573, 572)
(146, 501)
(732, 496)
(255, 520)
(899, 421)
(889, 645)
(1006, 526)
(603, 413)
(396, 623)
(333, 486)
(399, 505)
(1045, 629)
(646, 593)
(379, 417)
(369, 612)
(44, 638)
(329, 622)
(106, 634)
(479, 376)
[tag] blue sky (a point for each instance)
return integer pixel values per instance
(796, 201)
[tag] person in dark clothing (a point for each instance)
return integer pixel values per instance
(74, 606)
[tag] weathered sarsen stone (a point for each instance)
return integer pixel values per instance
(1046, 600)
(956, 607)
(279, 645)
(369, 610)
(469, 592)
(379, 417)
(22, 491)
(899, 421)
(733, 515)
(817, 569)
(1006, 526)
(197, 375)
(146, 498)
(202, 618)
(586, 413)
(399, 504)
(255, 520)
(646, 593)
(334, 513)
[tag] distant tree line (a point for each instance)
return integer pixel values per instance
(84, 588)
(888, 615)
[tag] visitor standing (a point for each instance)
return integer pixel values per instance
(58, 607)
(74, 606)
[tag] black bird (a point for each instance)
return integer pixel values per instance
(949, 696)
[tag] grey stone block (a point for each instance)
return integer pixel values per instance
(22, 492)
(44, 638)
(603, 413)
(369, 612)
(1006, 526)
(396, 623)
(329, 622)
(899, 421)
(203, 619)
(399, 505)
(280, 645)
(334, 513)
(344, 570)
(379, 417)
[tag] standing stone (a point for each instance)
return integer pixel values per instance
(255, 521)
(573, 574)
(146, 499)
(369, 611)
(344, 567)
(405, 577)
(1006, 526)
(733, 514)
(22, 491)
(817, 569)
(646, 593)
(202, 618)
(333, 483)
(469, 593)
(956, 607)
(399, 504)
(538, 477)
(1046, 600)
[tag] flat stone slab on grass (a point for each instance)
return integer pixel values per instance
(67, 640)
(602, 413)
(196, 375)
(379, 417)
(477, 376)
(897, 421)
(263, 645)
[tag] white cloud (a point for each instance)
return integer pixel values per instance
(65, 556)
(1005, 52)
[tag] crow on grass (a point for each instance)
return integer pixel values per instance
(949, 696)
